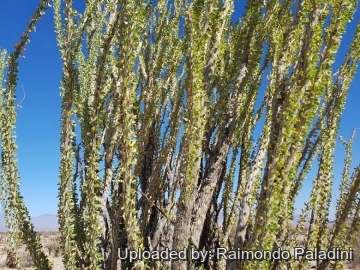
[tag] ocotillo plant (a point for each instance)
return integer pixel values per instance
(159, 145)
(16, 214)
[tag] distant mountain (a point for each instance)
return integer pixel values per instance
(41, 223)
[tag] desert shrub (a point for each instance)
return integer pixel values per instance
(54, 246)
(10, 260)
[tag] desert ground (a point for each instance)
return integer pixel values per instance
(50, 242)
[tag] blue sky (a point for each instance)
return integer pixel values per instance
(38, 124)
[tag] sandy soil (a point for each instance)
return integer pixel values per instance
(50, 243)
